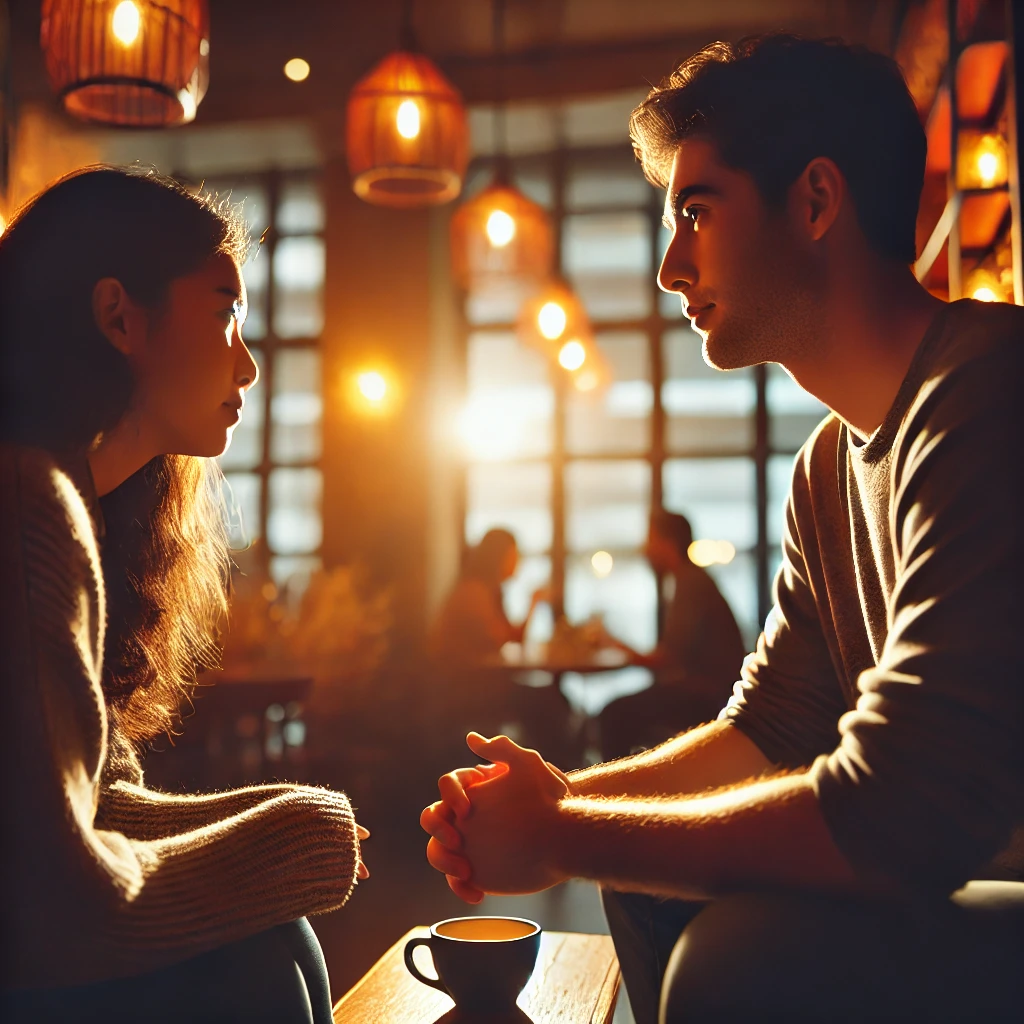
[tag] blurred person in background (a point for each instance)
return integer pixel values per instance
(122, 376)
(697, 660)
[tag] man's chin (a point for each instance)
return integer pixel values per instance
(722, 352)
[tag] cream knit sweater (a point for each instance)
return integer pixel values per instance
(99, 879)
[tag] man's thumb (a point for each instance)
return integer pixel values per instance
(496, 749)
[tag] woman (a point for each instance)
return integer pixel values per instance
(472, 625)
(122, 374)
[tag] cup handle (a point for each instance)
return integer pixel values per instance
(410, 946)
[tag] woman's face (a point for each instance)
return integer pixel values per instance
(192, 368)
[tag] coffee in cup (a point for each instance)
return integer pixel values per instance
(483, 963)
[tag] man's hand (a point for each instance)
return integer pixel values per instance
(362, 871)
(506, 814)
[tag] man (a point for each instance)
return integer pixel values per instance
(870, 760)
(694, 664)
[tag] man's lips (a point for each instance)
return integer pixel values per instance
(692, 312)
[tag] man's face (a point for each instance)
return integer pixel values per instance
(659, 551)
(748, 286)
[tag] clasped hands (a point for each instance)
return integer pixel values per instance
(496, 827)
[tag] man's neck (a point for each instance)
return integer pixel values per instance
(876, 324)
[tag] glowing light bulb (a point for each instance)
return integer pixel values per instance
(602, 563)
(572, 355)
(501, 229)
(988, 168)
(707, 552)
(407, 120)
(297, 69)
(984, 294)
(372, 386)
(126, 22)
(551, 320)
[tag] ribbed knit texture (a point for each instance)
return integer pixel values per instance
(102, 878)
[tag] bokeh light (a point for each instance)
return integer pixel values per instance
(297, 69)
(372, 386)
(501, 229)
(407, 120)
(551, 320)
(126, 23)
(602, 563)
(572, 355)
(707, 552)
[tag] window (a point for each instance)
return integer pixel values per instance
(572, 474)
(273, 465)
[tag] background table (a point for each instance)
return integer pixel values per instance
(576, 982)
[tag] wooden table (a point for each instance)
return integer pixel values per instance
(576, 982)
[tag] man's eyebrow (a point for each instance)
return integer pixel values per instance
(675, 201)
(232, 293)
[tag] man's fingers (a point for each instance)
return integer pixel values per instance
(558, 771)
(452, 788)
(447, 862)
(362, 833)
(465, 891)
(436, 821)
(362, 871)
(500, 748)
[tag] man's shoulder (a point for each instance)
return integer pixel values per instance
(976, 332)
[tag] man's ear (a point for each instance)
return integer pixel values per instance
(818, 195)
(116, 315)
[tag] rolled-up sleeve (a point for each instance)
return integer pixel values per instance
(925, 784)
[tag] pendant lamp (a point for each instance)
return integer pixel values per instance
(500, 233)
(555, 323)
(406, 135)
(131, 63)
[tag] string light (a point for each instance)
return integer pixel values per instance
(572, 355)
(551, 320)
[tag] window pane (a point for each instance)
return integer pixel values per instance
(780, 474)
(534, 572)
(738, 583)
(626, 599)
(534, 181)
(706, 410)
(242, 499)
(510, 402)
(619, 418)
(293, 572)
(255, 272)
(293, 524)
(792, 412)
(670, 305)
(300, 208)
(298, 287)
(607, 256)
(591, 183)
(296, 406)
(716, 495)
(607, 505)
(246, 448)
(498, 303)
(516, 497)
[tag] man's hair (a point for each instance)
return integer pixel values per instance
(674, 528)
(773, 103)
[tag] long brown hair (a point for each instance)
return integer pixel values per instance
(62, 385)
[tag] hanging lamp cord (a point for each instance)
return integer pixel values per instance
(406, 33)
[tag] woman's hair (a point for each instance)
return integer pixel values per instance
(773, 103)
(486, 559)
(62, 385)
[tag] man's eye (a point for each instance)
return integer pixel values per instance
(693, 213)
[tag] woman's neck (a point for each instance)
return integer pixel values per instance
(120, 453)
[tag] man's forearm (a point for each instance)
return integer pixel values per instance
(709, 757)
(767, 834)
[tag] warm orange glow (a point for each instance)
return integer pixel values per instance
(297, 69)
(125, 23)
(3, 224)
(982, 160)
(551, 320)
(587, 380)
(602, 563)
(711, 552)
(501, 229)
(572, 355)
(372, 386)
(986, 286)
(407, 120)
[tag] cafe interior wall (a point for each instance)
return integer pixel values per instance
(391, 479)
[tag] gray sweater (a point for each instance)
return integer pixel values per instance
(893, 661)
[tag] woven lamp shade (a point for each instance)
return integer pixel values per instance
(406, 136)
(500, 234)
(135, 63)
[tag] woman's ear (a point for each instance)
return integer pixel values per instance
(116, 315)
(818, 195)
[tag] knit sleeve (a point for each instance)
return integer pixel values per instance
(142, 813)
(88, 902)
(789, 697)
(925, 785)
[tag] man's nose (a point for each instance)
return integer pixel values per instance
(677, 272)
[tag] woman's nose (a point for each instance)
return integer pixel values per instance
(246, 372)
